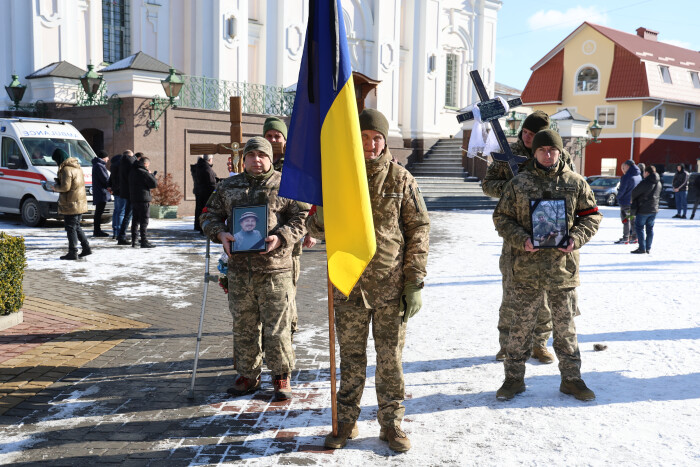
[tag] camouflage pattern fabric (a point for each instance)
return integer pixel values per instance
(260, 305)
(402, 229)
(497, 175)
(563, 305)
(547, 268)
(296, 271)
(352, 322)
(285, 218)
(543, 233)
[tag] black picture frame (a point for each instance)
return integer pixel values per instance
(550, 223)
(253, 240)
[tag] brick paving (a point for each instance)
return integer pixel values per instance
(91, 376)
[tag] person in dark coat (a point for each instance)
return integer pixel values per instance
(118, 213)
(141, 181)
(125, 165)
(696, 185)
(205, 182)
(100, 191)
(681, 183)
(645, 205)
(630, 179)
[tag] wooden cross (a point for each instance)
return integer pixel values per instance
(236, 146)
(491, 110)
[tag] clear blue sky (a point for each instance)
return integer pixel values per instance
(528, 29)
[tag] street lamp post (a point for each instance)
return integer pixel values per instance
(91, 82)
(16, 91)
(172, 86)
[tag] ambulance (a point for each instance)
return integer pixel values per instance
(27, 145)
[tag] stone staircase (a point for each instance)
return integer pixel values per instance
(444, 183)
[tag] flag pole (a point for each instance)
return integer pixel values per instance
(331, 338)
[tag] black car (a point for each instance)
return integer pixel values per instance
(605, 189)
(668, 197)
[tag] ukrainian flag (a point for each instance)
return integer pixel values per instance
(324, 162)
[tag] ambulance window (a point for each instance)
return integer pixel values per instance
(11, 155)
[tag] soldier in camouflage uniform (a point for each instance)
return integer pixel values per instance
(387, 293)
(544, 232)
(275, 131)
(549, 275)
(260, 284)
(497, 175)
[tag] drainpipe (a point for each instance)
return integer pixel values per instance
(634, 123)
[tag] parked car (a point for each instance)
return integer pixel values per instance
(605, 189)
(590, 178)
(668, 197)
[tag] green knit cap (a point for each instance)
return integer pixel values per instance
(536, 121)
(274, 123)
(59, 156)
(547, 138)
(371, 119)
(258, 143)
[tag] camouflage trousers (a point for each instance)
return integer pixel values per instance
(510, 305)
(261, 311)
(563, 305)
(296, 271)
(352, 323)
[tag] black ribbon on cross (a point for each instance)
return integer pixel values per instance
(491, 110)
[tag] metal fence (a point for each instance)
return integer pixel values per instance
(208, 93)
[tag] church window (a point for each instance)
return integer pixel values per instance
(116, 31)
(451, 80)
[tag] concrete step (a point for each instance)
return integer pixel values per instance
(434, 172)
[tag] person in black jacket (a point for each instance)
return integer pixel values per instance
(205, 183)
(125, 164)
(141, 181)
(645, 205)
(696, 185)
(100, 191)
(118, 213)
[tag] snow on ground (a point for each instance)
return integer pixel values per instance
(643, 307)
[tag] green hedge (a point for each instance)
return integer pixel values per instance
(12, 264)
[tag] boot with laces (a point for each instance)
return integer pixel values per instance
(396, 437)
(577, 388)
(511, 387)
(283, 388)
(243, 386)
(542, 354)
(346, 431)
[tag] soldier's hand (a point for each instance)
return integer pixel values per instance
(529, 246)
(569, 248)
(309, 241)
(226, 240)
(273, 242)
(411, 300)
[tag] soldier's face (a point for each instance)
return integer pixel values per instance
(257, 162)
(541, 219)
(528, 136)
(274, 136)
(373, 144)
(547, 155)
(248, 224)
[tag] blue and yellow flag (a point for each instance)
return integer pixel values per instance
(324, 162)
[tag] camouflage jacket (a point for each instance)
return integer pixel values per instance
(284, 219)
(401, 227)
(546, 268)
(71, 188)
(498, 173)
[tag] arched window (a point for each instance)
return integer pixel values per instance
(587, 80)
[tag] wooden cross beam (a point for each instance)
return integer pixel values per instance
(236, 146)
(491, 110)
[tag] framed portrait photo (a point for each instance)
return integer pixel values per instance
(249, 228)
(549, 223)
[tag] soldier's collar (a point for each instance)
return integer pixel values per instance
(376, 165)
(261, 177)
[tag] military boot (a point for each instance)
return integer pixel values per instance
(501, 355)
(395, 436)
(346, 431)
(72, 254)
(283, 388)
(243, 386)
(577, 388)
(542, 354)
(511, 387)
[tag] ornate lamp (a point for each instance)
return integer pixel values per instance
(172, 86)
(513, 124)
(91, 82)
(15, 91)
(595, 130)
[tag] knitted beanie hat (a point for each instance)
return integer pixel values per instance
(547, 138)
(372, 119)
(274, 123)
(258, 143)
(536, 121)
